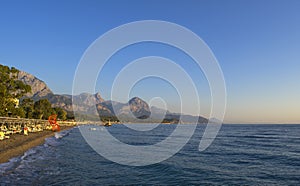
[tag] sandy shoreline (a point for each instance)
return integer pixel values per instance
(18, 144)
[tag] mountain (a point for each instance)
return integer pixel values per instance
(139, 108)
(62, 101)
(111, 108)
(93, 105)
(84, 103)
(38, 87)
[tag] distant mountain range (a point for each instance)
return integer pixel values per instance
(94, 105)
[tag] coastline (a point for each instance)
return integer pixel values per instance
(17, 145)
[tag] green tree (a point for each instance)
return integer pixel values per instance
(61, 113)
(42, 109)
(11, 89)
(28, 107)
(18, 112)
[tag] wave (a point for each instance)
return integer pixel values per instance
(59, 135)
(18, 165)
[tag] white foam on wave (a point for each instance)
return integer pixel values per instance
(11, 164)
(29, 152)
(62, 134)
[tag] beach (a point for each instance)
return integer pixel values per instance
(18, 144)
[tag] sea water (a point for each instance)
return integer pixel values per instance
(240, 155)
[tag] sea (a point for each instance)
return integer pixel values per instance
(260, 154)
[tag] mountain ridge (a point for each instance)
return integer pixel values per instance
(94, 104)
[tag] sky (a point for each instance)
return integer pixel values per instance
(255, 42)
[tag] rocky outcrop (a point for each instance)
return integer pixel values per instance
(38, 87)
(139, 108)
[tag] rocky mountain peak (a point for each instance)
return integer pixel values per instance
(139, 103)
(139, 108)
(99, 98)
(38, 87)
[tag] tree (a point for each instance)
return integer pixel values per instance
(42, 109)
(10, 89)
(61, 113)
(18, 112)
(28, 107)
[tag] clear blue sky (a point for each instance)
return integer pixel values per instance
(257, 44)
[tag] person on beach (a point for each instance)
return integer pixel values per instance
(25, 131)
(2, 135)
